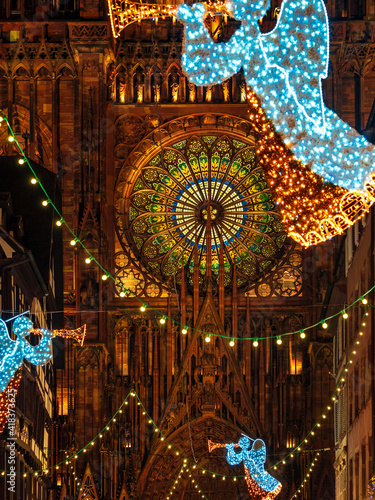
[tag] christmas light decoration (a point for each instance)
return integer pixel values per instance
(13, 352)
(311, 210)
(122, 13)
(185, 468)
(371, 488)
(285, 68)
(252, 453)
(307, 476)
(91, 258)
(10, 391)
(77, 335)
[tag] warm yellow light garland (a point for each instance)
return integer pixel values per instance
(123, 13)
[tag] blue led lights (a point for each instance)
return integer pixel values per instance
(13, 352)
(285, 68)
(253, 455)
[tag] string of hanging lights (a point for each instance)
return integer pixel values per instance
(307, 477)
(163, 318)
(122, 13)
(185, 469)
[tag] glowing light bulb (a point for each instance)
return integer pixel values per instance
(279, 341)
(255, 343)
(325, 325)
(345, 315)
(21, 161)
(184, 330)
(162, 320)
(87, 260)
(104, 277)
(58, 223)
(231, 343)
(33, 181)
(208, 338)
(143, 308)
(44, 203)
(364, 301)
(122, 294)
(302, 335)
(73, 242)
(10, 138)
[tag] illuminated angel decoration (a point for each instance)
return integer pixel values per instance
(261, 485)
(285, 68)
(13, 352)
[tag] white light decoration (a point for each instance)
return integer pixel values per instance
(285, 68)
(13, 352)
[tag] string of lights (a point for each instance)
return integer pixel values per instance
(144, 306)
(185, 469)
(307, 476)
(173, 449)
(122, 13)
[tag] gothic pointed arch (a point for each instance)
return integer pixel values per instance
(163, 465)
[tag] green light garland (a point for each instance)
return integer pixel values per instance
(144, 306)
(307, 477)
(194, 482)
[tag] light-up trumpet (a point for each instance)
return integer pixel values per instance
(78, 335)
(212, 446)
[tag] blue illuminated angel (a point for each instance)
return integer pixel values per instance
(13, 352)
(253, 455)
(261, 485)
(285, 68)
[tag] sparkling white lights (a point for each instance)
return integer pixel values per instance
(253, 455)
(285, 68)
(13, 352)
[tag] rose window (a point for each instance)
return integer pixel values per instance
(204, 184)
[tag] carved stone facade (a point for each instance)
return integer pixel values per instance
(95, 110)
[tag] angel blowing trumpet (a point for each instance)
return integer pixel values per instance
(285, 68)
(13, 352)
(261, 485)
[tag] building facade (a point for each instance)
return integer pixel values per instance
(155, 174)
(30, 271)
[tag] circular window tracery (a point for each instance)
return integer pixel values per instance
(206, 181)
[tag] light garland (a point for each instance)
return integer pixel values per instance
(307, 476)
(285, 68)
(13, 352)
(163, 317)
(193, 481)
(123, 13)
(170, 447)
